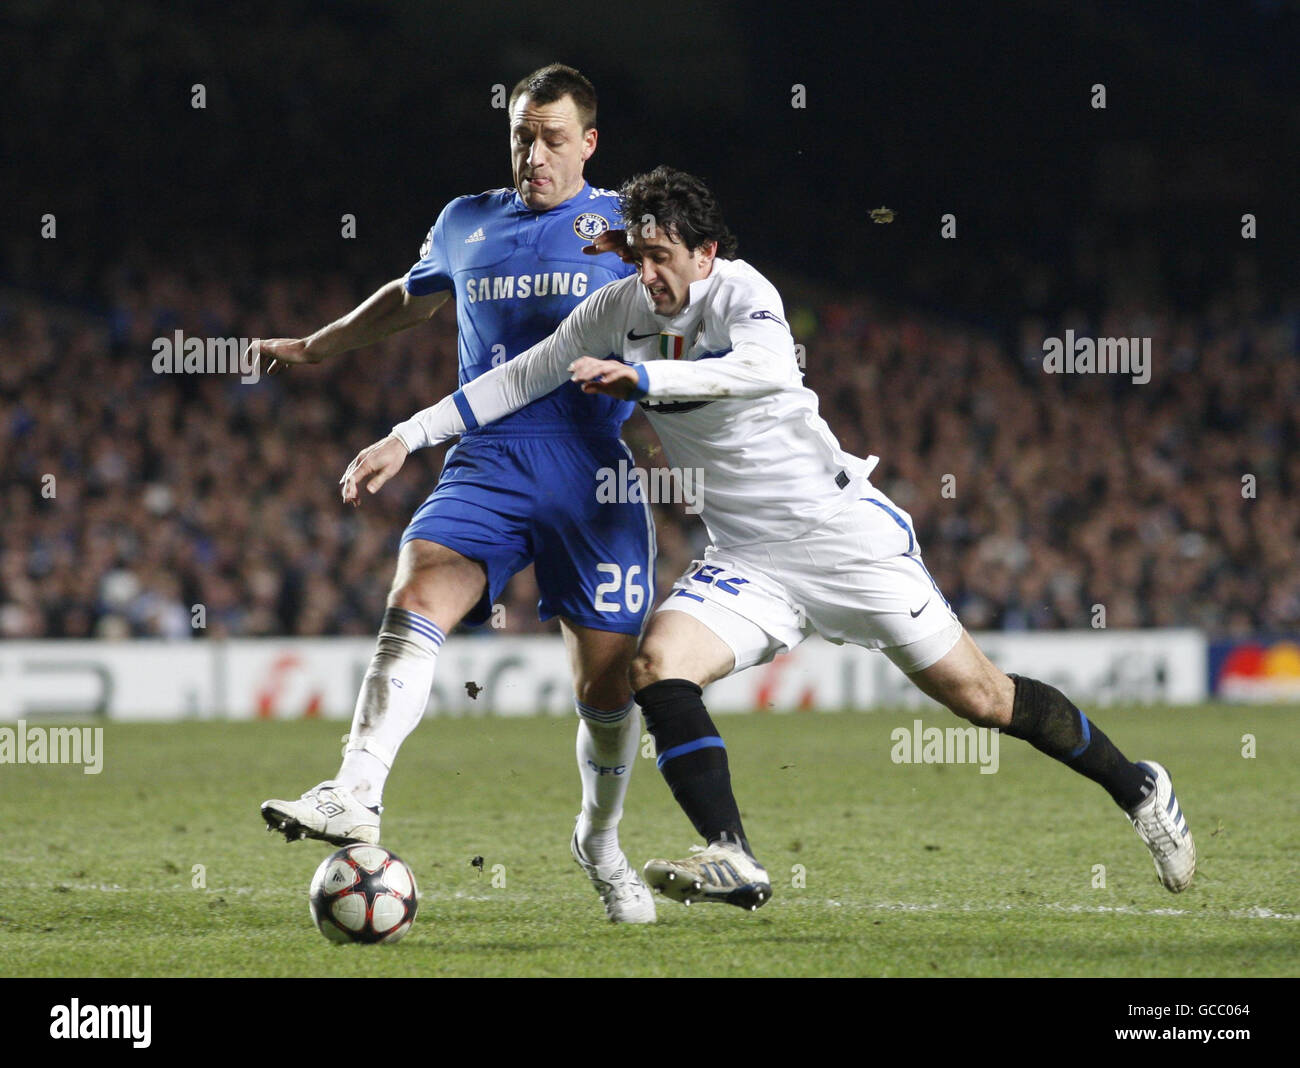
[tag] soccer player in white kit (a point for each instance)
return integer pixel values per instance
(801, 541)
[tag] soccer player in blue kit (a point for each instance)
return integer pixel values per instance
(514, 493)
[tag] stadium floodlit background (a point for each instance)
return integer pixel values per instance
(226, 220)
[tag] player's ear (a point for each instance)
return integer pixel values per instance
(588, 143)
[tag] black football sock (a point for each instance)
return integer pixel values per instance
(1045, 718)
(693, 758)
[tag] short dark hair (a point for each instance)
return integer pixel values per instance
(680, 204)
(553, 82)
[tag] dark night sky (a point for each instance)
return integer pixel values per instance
(384, 110)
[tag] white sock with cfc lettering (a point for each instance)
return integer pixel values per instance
(606, 750)
(392, 700)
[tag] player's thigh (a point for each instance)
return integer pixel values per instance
(968, 683)
(594, 553)
(679, 646)
(479, 512)
(436, 582)
(859, 578)
(599, 661)
(722, 616)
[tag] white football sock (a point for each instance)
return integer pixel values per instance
(392, 700)
(607, 747)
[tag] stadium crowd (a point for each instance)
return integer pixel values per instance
(133, 497)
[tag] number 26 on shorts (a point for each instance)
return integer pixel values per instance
(633, 592)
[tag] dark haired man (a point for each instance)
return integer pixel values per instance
(514, 259)
(802, 542)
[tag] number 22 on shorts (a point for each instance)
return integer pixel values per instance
(709, 573)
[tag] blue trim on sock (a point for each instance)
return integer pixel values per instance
(689, 747)
(426, 628)
(1087, 735)
(601, 715)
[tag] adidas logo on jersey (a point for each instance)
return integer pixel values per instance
(477, 235)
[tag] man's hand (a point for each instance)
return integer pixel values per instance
(378, 462)
(278, 353)
(609, 377)
(610, 241)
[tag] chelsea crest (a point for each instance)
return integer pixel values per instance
(590, 225)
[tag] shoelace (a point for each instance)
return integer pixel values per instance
(1164, 838)
(328, 784)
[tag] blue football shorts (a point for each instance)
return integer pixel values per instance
(511, 501)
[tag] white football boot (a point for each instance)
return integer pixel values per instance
(1159, 821)
(328, 812)
(625, 896)
(721, 872)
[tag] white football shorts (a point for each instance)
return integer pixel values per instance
(858, 579)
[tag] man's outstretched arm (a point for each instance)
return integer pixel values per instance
(386, 311)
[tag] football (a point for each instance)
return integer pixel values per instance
(363, 893)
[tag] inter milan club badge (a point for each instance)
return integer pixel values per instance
(590, 225)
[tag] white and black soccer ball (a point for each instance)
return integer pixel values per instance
(363, 893)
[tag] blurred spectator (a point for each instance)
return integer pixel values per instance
(131, 497)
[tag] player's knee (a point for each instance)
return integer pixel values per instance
(413, 597)
(983, 701)
(646, 669)
(606, 693)
(436, 582)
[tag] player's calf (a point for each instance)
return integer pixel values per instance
(607, 745)
(968, 683)
(1045, 718)
(692, 758)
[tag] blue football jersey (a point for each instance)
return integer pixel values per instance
(515, 274)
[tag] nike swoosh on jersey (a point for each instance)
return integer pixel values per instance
(920, 610)
(632, 336)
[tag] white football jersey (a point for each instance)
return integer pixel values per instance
(721, 387)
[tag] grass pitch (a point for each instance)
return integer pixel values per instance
(160, 865)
